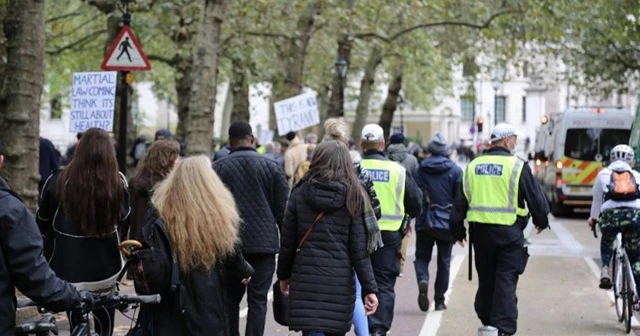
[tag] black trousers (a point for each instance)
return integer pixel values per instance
(386, 268)
(264, 266)
(500, 257)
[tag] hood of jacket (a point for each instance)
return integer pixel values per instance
(324, 196)
(436, 164)
(397, 152)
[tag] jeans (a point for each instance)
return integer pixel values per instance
(625, 221)
(318, 333)
(424, 251)
(360, 323)
(264, 266)
(386, 268)
(103, 320)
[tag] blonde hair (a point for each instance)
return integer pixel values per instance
(334, 129)
(199, 213)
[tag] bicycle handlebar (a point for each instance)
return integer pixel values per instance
(107, 301)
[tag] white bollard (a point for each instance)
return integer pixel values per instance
(487, 331)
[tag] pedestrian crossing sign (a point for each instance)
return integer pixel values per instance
(125, 54)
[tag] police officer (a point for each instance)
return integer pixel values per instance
(499, 195)
(399, 195)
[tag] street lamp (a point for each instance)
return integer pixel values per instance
(342, 67)
(400, 102)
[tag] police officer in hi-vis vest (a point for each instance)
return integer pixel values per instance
(499, 196)
(399, 195)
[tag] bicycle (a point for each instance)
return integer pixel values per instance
(624, 285)
(47, 324)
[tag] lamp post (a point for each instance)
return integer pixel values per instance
(401, 107)
(342, 67)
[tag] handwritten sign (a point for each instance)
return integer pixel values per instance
(296, 113)
(93, 97)
(265, 136)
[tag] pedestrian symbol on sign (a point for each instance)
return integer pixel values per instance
(124, 46)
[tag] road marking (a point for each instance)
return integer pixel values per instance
(245, 311)
(432, 321)
(596, 272)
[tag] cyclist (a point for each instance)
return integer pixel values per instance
(617, 214)
(22, 264)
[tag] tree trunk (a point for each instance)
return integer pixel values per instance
(294, 65)
(20, 100)
(339, 85)
(366, 86)
(391, 103)
(240, 92)
(323, 98)
(204, 75)
(183, 83)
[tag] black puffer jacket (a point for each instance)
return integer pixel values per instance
(322, 287)
(260, 189)
(200, 309)
(23, 266)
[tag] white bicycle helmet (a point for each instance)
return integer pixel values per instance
(622, 152)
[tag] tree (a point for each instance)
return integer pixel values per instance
(204, 75)
(20, 96)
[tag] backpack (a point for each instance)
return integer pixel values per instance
(623, 186)
(154, 267)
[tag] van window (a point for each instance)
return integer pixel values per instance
(585, 143)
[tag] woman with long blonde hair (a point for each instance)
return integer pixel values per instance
(200, 217)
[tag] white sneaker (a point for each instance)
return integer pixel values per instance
(487, 331)
(605, 278)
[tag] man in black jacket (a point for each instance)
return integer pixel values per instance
(497, 223)
(22, 264)
(394, 195)
(260, 190)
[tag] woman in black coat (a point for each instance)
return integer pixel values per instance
(79, 212)
(328, 203)
(200, 217)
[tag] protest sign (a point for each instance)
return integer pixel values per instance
(265, 136)
(93, 97)
(296, 113)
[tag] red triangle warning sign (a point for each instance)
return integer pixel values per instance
(125, 54)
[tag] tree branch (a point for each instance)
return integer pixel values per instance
(62, 17)
(166, 60)
(407, 30)
(76, 43)
(267, 34)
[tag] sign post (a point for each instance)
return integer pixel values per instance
(125, 55)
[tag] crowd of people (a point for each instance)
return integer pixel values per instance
(330, 221)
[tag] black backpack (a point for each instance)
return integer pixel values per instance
(154, 267)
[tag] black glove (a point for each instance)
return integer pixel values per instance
(89, 298)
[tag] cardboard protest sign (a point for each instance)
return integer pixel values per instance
(296, 113)
(93, 97)
(265, 136)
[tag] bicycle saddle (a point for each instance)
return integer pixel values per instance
(45, 324)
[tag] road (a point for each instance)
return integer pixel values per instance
(557, 294)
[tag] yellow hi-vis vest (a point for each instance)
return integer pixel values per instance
(491, 186)
(389, 183)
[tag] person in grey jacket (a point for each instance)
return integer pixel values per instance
(397, 151)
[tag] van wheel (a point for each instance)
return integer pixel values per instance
(559, 210)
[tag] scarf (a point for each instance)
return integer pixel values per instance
(374, 238)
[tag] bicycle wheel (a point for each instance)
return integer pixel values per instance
(618, 287)
(628, 296)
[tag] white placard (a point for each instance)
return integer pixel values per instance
(265, 137)
(296, 113)
(93, 96)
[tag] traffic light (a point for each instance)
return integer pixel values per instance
(480, 123)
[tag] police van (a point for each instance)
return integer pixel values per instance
(578, 143)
